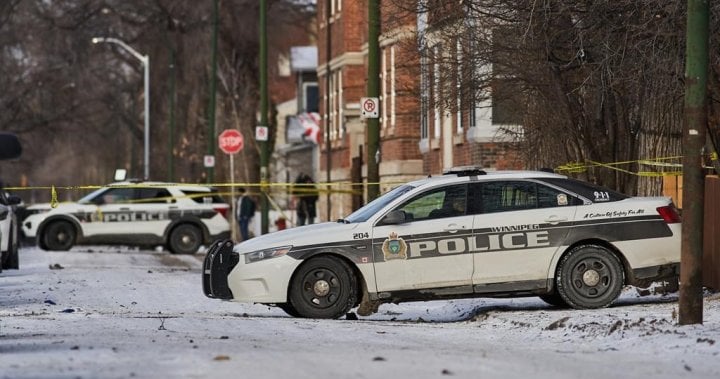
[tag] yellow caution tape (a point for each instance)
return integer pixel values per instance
(53, 198)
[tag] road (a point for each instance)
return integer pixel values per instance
(103, 312)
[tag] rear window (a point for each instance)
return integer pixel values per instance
(592, 192)
(205, 197)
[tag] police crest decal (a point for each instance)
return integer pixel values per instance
(394, 248)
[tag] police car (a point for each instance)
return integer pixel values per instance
(181, 217)
(463, 234)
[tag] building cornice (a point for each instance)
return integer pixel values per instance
(353, 58)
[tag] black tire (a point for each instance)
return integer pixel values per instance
(59, 236)
(13, 261)
(185, 239)
(289, 309)
(554, 299)
(323, 287)
(589, 277)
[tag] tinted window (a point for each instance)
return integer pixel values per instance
(508, 196)
(438, 203)
(505, 196)
(592, 192)
(117, 195)
(154, 195)
(204, 197)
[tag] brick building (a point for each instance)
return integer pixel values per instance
(428, 123)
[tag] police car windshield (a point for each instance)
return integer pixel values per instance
(373, 207)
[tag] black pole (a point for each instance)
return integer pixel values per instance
(264, 145)
(373, 90)
(212, 135)
(328, 147)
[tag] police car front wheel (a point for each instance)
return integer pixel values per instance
(323, 287)
(590, 276)
(59, 236)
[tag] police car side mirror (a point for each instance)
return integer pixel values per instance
(394, 217)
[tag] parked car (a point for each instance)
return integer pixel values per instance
(467, 233)
(181, 217)
(9, 235)
(10, 148)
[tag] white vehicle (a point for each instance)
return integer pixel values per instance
(181, 217)
(462, 234)
(9, 231)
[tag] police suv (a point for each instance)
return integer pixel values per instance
(463, 234)
(181, 217)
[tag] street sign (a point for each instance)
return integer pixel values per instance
(369, 107)
(209, 161)
(261, 133)
(231, 141)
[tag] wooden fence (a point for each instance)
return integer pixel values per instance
(672, 186)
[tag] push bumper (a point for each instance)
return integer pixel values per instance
(219, 261)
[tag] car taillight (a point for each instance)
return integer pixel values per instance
(669, 214)
(222, 210)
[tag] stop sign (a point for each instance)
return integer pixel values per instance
(230, 141)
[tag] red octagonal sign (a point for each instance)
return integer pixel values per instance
(230, 141)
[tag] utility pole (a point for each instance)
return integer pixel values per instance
(264, 153)
(212, 137)
(328, 146)
(694, 134)
(373, 90)
(171, 119)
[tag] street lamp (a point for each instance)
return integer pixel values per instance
(145, 60)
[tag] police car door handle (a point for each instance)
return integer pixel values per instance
(452, 228)
(125, 209)
(554, 220)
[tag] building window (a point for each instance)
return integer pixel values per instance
(387, 90)
(436, 92)
(392, 86)
(340, 110)
(335, 6)
(424, 94)
(504, 109)
(310, 97)
(383, 89)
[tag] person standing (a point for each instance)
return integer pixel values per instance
(306, 196)
(244, 212)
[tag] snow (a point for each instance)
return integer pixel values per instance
(106, 312)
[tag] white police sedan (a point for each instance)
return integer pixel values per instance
(463, 234)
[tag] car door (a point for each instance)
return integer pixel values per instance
(519, 226)
(113, 212)
(131, 211)
(428, 250)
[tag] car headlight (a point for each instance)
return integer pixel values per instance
(262, 255)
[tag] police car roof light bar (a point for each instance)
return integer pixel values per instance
(465, 171)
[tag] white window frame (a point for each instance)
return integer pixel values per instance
(459, 87)
(392, 87)
(437, 116)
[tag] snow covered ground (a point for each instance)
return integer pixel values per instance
(103, 312)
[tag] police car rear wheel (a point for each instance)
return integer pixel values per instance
(59, 236)
(185, 239)
(590, 276)
(324, 287)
